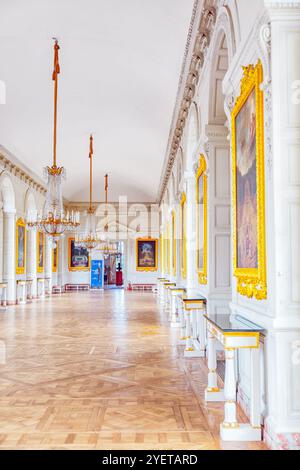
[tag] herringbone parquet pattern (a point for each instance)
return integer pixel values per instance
(101, 371)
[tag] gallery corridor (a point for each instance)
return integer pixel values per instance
(102, 370)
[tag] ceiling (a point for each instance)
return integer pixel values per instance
(120, 63)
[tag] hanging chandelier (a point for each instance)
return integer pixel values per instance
(108, 247)
(54, 221)
(89, 239)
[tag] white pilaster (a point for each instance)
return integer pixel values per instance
(9, 255)
(218, 288)
(283, 224)
(31, 260)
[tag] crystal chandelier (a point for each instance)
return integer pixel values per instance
(108, 247)
(54, 221)
(89, 239)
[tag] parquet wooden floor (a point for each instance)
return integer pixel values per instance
(95, 370)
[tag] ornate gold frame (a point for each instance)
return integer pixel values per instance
(149, 239)
(54, 268)
(202, 273)
(251, 282)
(161, 252)
(72, 268)
(20, 223)
(40, 269)
(183, 247)
(168, 249)
(173, 241)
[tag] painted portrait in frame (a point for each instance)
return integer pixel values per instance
(201, 221)
(174, 242)
(146, 254)
(20, 246)
(183, 247)
(40, 252)
(79, 259)
(248, 186)
(54, 258)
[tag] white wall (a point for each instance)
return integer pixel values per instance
(241, 37)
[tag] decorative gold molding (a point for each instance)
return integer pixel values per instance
(174, 243)
(40, 269)
(55, 258)
(76, 268)
(183, 247)
(20, 269)
(251, 282)
(146, 269)
(201, 271)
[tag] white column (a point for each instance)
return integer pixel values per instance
(283, 224)
(48, 260)
(31, 266)
(190, 231)
(9, 255)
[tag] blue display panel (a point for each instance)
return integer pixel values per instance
(97, 274)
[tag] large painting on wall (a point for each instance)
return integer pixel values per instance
(183, 246)
(146, 254)
(201, 221)
(248, 186)
(79, 259)
(54, 258)
(40, 252)
(174, 242)
(20, 246)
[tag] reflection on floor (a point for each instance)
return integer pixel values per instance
(101, 370)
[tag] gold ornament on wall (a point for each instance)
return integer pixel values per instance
(201, 221)
(248, 186)
(147, 254)
(20, 246)
(183, 241)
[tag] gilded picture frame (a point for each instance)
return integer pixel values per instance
(201, 221)
(146, 254)
(174, 243)
(249, 251)
(40, 252)
(168, 243)
(78, 257)
(161, 252)
(54, 258)
(20, 246)
(183, 245)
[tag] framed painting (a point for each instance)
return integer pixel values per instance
(161, 246)
(174, 242)
(168, 249)
(249, 252)
(79, 258)
(54, 258)
(183, 247)
(40, 252)
(201, 221)
(146, 254)
(20, 246)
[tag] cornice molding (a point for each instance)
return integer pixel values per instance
(279, 4)
(16, 170)
(83, 206)
(199, 36)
